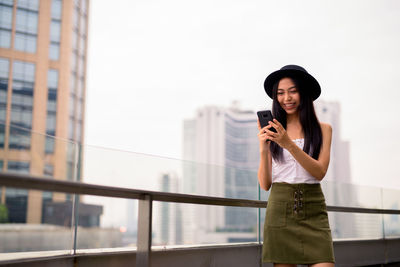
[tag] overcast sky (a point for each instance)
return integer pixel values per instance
(152, 63)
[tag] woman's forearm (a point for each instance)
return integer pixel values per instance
(313, 166)
(264, 171)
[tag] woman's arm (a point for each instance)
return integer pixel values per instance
(316, 168)
(265, 167)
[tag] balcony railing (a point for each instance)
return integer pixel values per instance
(146, 199)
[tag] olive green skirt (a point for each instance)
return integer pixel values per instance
(296, 228)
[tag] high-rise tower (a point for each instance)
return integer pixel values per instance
(43, 46)
(224, 146)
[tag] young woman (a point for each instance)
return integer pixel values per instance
(293, 161)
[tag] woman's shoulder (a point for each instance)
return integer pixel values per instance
(326, 127)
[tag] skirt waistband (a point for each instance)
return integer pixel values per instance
(293, 192)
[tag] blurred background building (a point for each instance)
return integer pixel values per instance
(222, 141)
(43, 47)
(168, 228)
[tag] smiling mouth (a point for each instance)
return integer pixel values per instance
(291, 105)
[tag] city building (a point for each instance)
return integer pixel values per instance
(336, 184)
(168, 229)
(221, 147)
(339, 165)
(43, 46)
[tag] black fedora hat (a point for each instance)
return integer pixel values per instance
(309, 83)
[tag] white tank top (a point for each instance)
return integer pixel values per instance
(290, 171)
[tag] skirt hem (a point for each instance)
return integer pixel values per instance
(298, 262)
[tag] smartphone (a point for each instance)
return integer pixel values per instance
(265, 116)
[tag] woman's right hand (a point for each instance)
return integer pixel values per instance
(263, 138)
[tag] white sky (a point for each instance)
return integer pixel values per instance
(152, 63)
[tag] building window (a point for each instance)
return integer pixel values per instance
(52, 85)
(55, 29)
(6, 11)
(26, 25)
(4, 63)
(72, 108)
(18, 166)
(71, 128)
(48, 170)
(29, 4)
(54, 51)
(56, 9)
(17, 199)
(22, 104)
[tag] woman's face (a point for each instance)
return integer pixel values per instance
(288, 96)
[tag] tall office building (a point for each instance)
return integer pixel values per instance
(223, 144)
(168, 229)
(336, 183)
(43, 47)
(339, 165)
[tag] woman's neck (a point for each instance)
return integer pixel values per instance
(293, 118)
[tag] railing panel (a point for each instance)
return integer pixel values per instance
(36, 221)
(106, 222)
(188, 224)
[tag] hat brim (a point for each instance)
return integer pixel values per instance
(311, 85)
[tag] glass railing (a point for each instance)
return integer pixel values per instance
(51, 222)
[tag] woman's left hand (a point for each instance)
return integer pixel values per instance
(280, 137)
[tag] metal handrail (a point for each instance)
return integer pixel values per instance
(42, 183)
(145, 199)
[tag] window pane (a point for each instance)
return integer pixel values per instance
(71, 128)
(56, 6)
(17, 199)
(6, 17)
(26, 21)
(2, 134)
(82, 46)
(19, 139)
(48, 171)
(24, 71)
(82, 26)
(54, 51)
(79, 109)
(52, 79)
(71, 106)
(55, 28)
(75, 40)
(79, 131)
(6, 2)
(5, 38)
(72, 85)
(28, 4)
(51, 124)
(84, 6)
(24, 42)
(76, 18)
(4, 63)
(73, 62)
(21, 117)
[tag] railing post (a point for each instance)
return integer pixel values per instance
(76, 201)
(144, 232)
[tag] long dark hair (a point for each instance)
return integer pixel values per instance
(308, 120)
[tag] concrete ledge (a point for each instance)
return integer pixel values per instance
(382, 252)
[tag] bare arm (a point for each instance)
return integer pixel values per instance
(316, 168)
(265, 168)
